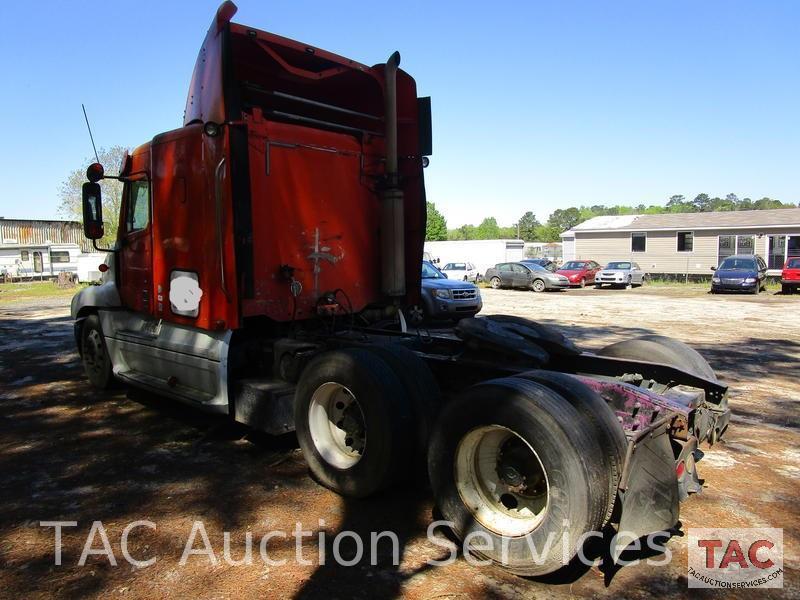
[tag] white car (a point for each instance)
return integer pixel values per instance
(461, 271)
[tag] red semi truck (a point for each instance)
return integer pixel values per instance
(268, 252)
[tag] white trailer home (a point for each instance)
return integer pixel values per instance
(482, 253)
(33, 249)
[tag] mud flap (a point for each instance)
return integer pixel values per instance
(650, 497)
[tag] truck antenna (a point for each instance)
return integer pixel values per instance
(91, 137)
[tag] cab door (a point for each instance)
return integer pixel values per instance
(136, 248)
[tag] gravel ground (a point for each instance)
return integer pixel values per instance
(70, 454)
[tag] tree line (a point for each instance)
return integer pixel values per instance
(530, 229)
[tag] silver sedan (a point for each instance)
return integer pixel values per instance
(623, 273)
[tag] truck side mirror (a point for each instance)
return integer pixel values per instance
(92, 211)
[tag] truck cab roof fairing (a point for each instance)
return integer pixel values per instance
(206, 98)
(239, 67)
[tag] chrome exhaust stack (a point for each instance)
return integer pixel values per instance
(393, 247)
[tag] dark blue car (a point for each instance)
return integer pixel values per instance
(740, 273)
(444, 298)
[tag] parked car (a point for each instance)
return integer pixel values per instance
(525, 275)
(444, 298)
(620, 273)
(462, 271)
(740, 273)
(579, 272)
(790, 276)
(542, 262)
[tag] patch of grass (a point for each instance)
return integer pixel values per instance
(30, 290)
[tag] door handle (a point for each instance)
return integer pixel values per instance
(218, 174)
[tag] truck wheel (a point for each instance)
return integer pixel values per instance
(664, 350)
(513, 465)
(606, 429)
(353, 422)
(94, 354)
(495, 283)
(538, 285)
(422, 391)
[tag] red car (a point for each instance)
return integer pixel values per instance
(790, 277)
(580, 272)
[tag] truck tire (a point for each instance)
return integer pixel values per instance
(513, 463)
(538, 285)
(94, 354)
(664, 350)
(352, 422)
(606, 428)
(422, 391)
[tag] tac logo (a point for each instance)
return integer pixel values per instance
(736, 558)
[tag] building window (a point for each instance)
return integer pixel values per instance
(24, 256)
(727, 247)
(745, 244)
(685, 241)
(638, 242)
(59, 257)
(777, 251)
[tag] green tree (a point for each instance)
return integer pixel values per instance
(488, 229)
(548, 233)
(564, 218)
(527, 226)
(436, 227)
(702, 203)
(70, 205)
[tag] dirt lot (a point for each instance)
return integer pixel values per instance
(69, 454)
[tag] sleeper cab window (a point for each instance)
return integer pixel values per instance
(685, 241)
(138, 216)
(638, 242)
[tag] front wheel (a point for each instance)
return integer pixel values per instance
(538, 285)
(495, 283)
(94, 354)
(582, 284)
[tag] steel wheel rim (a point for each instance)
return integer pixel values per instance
(500, 502)
(94, 356)
(337, 426)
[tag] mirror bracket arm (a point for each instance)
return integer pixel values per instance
(112, 250)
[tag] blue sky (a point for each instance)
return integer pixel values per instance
(536, 106)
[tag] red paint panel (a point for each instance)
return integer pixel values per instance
(185, 225)
(314, 210)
